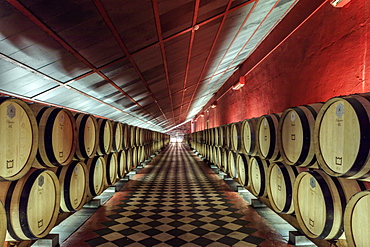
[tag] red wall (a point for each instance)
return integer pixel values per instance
(326, 56)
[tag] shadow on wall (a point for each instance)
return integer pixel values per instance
(23, 41)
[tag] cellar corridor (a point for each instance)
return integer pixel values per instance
(176, 200)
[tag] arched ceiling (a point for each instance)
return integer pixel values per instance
(149, 63)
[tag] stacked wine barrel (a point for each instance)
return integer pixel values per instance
(55, 160)
(310, 163)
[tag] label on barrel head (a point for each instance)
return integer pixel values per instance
(339, 111)
(313, 182)
(10, 111)
(41, 181)
(265, 122)
(61, 118)
(292, 116)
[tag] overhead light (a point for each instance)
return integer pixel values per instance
(202, 114)
(239, 84)
(214, 104)
(196, 27)
(339, 3)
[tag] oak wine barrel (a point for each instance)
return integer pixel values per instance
(267, 128)
(105, 136)
(236, 136)
(73, 186)
(57, 136)
(231, 163)
(87, 136)
(221, 136)
(356, 220)
(111, 173)
(280, 181)
(242, 163)
(225, 156)
(135, 157)
(129, 160)
(19, 138)
(96, 169)
(342, 136)
(319, 202)
(295, 135)
(117, 130)
(125, 136)
(122, 163)
(32, 204)
(248, 136)
(257, 173)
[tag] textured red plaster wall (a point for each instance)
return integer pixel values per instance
(326, 57)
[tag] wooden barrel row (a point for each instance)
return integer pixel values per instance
(54, 160)
(42, 136)
(317, 199)
(335, 134)
(332, 137)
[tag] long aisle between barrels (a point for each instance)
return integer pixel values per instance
(176, 200)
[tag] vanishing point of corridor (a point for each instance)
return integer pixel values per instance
(176, 200)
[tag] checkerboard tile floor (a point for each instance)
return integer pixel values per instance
(176, 200)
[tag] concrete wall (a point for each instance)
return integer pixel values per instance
(326, 56)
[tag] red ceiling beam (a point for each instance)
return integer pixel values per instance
(210, 53)
(66, 46)
(192, 35)
(234, 38)
(118, 38)
(200, 24)
(273, 7)
(160, 39)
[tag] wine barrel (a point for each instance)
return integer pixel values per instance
(122, 163)
(319, 202)
(216, 136)
(111, 173)
(295, 135)
(117, 136)
(231, 163)
(133, 136)
(3, 224)
(87, 136)
(32, 204)
(227, 144)
(341, 137)
(356, 220)
(225, 156)
(125, 136)
(19, 138)
(139, 136)
(96, 169)
(57, 136)
(135, 159)
(129, 160)
(242, 163)
(248, 136)
(218, 157)
(236, 136)
(73, 181)
(221, 136)
(280, 181)
(267, 128)
(257, 173)
(105, 137)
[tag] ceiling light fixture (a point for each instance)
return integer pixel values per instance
(339, 3)
(239, 84)
(214, 105)
(202, 114)
(196, 27)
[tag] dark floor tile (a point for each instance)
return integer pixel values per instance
(175, 242)
(96, 241)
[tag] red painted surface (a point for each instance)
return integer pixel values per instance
(326, 56)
